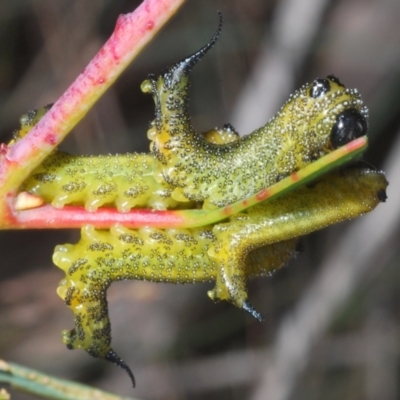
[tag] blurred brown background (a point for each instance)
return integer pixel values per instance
(332, 327)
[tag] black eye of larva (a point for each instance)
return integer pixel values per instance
(350, 125)
(335, 79)
(319, 87)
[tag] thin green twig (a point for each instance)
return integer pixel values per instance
(47, 387)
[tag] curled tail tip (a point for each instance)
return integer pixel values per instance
(219, 28)
(115, 359)
(189, 62)
(182, 67)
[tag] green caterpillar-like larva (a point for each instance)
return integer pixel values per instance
(188, 170)
(125, 181)
(303, 130)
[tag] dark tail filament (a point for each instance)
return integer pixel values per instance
(173, 74)
(115, 359)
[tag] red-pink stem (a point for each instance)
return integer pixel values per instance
(48, 217)
(132, 32)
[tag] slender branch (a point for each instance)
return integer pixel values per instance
(48, 217)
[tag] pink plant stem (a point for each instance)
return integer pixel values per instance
(132, 32)
(48, 217)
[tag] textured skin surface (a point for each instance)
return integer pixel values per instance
(202, 171)
(251, 244)
(124, 181)
(102, 257)
(192, 166)
(335, 198)
(187, 169)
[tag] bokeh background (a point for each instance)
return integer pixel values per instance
(332, 317)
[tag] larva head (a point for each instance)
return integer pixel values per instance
(326, 114)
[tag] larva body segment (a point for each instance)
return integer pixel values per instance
(342, 195)
(339, 196)
(125, 181)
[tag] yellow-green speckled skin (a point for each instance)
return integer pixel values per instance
(203, 171)
(125, 181)
(187, 169)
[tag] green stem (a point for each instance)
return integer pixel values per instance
(48, 387)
